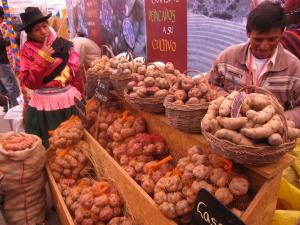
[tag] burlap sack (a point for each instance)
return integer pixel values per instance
(22, 185)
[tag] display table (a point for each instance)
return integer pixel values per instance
(264, 180)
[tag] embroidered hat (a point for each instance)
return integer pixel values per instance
(32, 16)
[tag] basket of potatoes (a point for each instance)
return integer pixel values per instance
(150, 86)
(188, 102)
(122, 67)
(254, 132)
(101, 68)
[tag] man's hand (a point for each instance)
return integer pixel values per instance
(47, 49)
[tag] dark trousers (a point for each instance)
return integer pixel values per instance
(9, 85)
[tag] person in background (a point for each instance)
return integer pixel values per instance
(49, 66)
(262, 61)
(88, 51)
(291, 36)
(9, 85)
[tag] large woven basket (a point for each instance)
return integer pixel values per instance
(91, 80)
(148, 104)
(120, 81)
(184, 117)
(248, 155)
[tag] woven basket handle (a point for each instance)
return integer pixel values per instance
(108, 50)
(279, 109)
(193, 71)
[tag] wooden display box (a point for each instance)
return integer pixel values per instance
(264, 180)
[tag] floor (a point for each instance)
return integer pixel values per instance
(52, 218)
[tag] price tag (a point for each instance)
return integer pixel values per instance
(81, 110)
(209, 211)
(237, 104)
(102, 90)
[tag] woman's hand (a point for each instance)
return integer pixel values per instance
(47, 49)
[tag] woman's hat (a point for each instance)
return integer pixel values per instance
(32, 16)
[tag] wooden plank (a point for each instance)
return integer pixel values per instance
(261, 209)
(65, 217)
(142, 206)
(179, 142)
(270, 171)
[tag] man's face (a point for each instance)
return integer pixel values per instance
(263, 45)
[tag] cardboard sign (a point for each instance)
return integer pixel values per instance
(209, 211)
(102, 90)
(81, 110)
(166, 25)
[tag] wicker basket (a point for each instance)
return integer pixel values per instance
(91, 80)
(120, 81)
(148, 104)
(248, 155)
(184, 117)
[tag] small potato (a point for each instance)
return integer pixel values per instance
(160, 197)
(239, 186)
(106, 214)
(192, 101)
(149, 81)
(194, 92)
(174, 197)
(101, 201)
(224, 195)
(180, 95)
(168, 210)
(161, 93)
(201, 172)
(183, 208)
(114, 200)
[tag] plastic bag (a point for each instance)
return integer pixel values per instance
(15, 116)
(286, 217)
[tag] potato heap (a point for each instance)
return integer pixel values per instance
(68, 133)
(100, 66)
(91, 109)
(189, 91)
(17, 142)
(108, 113)
(138, 157)
(257, 124)
(96, 202)
(70, 163)
(152, 81)
(123, 128)
(176, 195)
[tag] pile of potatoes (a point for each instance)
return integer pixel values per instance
(257, 124)
(139, 157)
(123, 128)
(68, 133)
(71, 163)
(107, 115)
(100, 67)
(177, 194)
(96, 203)
(17, 142)
(153, 81)
(189, 91)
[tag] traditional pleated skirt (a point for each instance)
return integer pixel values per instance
(48, 108)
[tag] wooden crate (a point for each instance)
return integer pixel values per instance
(264, 180)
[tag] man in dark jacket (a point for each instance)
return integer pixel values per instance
(9, 86)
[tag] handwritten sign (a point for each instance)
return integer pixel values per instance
(80, 107)
(209, 211)
(102, 90)
(166, 24)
